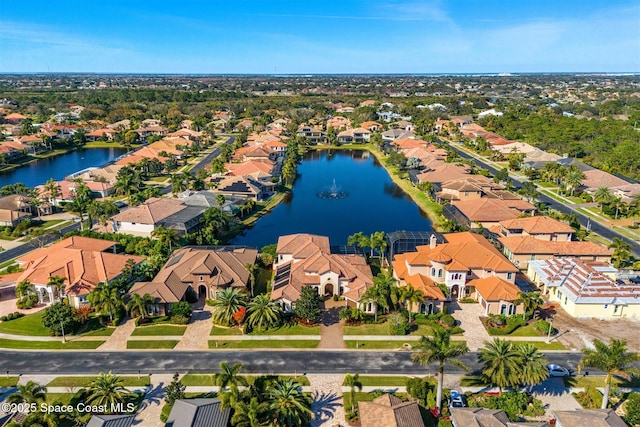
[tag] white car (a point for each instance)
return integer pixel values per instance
(557, 371)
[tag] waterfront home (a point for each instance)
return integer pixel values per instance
(142, 220)
(522, 249)
(439, 172)
(312, 134)
(306, 260)
(393, 134)
(456, 261)
(585, 289)
(103, 134)
(66, 191)
(12, 150)
(244, 186)
(434, 298)
(83, 262)
(14, 209)
(355, 135)
(390, 411)
(538, 227)
(258, 169)
(205, 270)
(486, 212)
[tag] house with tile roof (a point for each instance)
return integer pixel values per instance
(355, 135)
(245, 186)
(522, 249)
(458, 262)
(538, 227)
(312, 134)
(586, 289)
(168, 213)
(471, 187)
(394, 134)
(338, 122)
(483, 417)
(487, 212)
(390, 411)
(588, 418)
(306, 260)
(206, 270)
(371, 126)
(83, 262)
(14, 209)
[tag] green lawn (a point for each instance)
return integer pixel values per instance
(104, 332)
(8, 381)
(263, 344)
(63, 398)
(207, 379)
(84, 381)
(384, 381)
(217, 330)
(471, 381)
(291, 330)
(543, 345)
(30, 324)
(376, 345)
(154, 344)
(159, 330)
(50, 345)
(525, 331)
(383, 329)
(579, 381)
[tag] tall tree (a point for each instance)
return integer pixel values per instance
(440, 349)
(253, 270)
(106, 299)
(58, 283)
(308, 305)
(262, 313)
(289, 405)
(227, 303)
(615, 359)
(252, 414)
(353, 382)
(621, 252)
(533, 368)
(138, 304)
(107, 389)
(530, 301)
(501, 363)
(411, 296)
(29, 393)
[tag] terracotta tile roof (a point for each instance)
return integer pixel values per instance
(249, 167)
(490, 210)
(302, 245)
(390, 411)
(426, 285)
(407, 143)
(537, 225)
(220, 267)
(495, 289)
(531, 245)
(443, 172)
(81, 260)
(152, 211)
(100, 132)
(595, 178)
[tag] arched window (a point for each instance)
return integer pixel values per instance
(433, 272)
(440, 273)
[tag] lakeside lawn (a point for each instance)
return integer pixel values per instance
(159, 330)
(201, 380)
(151, 344)
(50, 345)
(222, 345)
(85, 381)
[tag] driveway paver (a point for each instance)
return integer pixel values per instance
(196, 336)
(149, 413)
(327, 406)
(118, 340)
(469, 316)
(331, 327)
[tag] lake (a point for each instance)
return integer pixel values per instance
(372, 202)
(58, 167)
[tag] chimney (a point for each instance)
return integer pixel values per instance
(432, 241)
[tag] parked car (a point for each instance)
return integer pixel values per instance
(457, 400)
(557, 371)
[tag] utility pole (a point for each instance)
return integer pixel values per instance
(64, 339)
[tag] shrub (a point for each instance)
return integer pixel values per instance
(58, 315)
(179, 319)
(448, 320)
(166, 410)
(514, 404)
(398, 324)
(335, 297)
(542, 326)
(3, 319)
(456, 330)
(468, 300)
(632, 409)
(512, 323)
(181, 308)
(27, 302)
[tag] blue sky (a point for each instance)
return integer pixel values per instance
(328, 36)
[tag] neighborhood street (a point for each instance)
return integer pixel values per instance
(261, 362)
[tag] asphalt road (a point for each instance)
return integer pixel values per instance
(596, 227)
(263, 362)
(36, 243)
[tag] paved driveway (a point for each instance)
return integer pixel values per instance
(469, 317)
(555, 396)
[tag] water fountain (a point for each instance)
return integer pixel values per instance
(333, 192)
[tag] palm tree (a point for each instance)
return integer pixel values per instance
(533, 369)
(138, 304)
(614, 359)
(383, 293)
(106, 299)
(253, 270)
(411, 296)
(603, 196)
(574, 179)
(179, 182)
(501, 363)
(229, 377)
(439, 348)
(107, 389)
(31, 392)
(167, 237)
(58, 283)
(353, 382)
(377, 241)
(358, 239)
(262, 313)
(24, 288)
(250, 414)
(52, 189)
(289, 405)
(621, 252)
(530, 302)
(227, 303)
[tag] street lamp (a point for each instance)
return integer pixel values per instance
(64, 339)
(550, 329)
